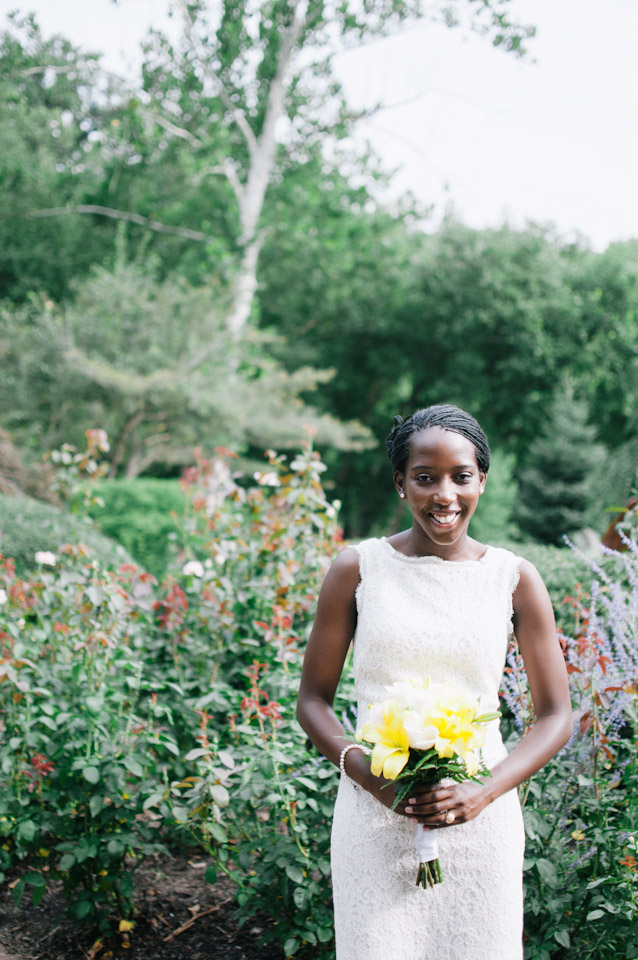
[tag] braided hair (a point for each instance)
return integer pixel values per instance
(440, 415)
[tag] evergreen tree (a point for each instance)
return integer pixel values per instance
(554, 485)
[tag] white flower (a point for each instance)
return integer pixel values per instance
(193, 569)
(45, 557)
(269, 479)
(3, 597)
(421, 736)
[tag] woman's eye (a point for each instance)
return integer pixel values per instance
(464, 477)
(424, 477)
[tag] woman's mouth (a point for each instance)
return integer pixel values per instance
(444, 519)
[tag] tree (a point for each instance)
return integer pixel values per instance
(250, 95)
(48, 158)
(148, 361)
(484, 319)
(554, 486)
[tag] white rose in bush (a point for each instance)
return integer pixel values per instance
(45, 557)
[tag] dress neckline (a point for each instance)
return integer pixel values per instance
(430, 558)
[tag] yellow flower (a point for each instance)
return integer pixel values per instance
(391, 749)
(578, 835)
(453, 714)
(471, 763)
(125, 926)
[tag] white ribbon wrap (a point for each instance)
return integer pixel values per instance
(427, 844)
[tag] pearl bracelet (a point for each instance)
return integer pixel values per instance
(342, 760)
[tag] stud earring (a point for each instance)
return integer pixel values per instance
(402, 495)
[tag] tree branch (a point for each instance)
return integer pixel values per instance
(124, 215)
(238, 115)
(50, 68)
(174, 129)
(226, 170)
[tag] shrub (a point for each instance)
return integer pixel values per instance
(563, 571)
(144, 516)
(581, 811)
(134, 713)
(28, 526)
(80, 751)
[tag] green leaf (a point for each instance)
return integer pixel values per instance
(219, 794)
(211, 874)
(115, 847)
(294, 873)
(38, 893)
(35, 879)
(97, 596)
(67, 861)
(218, 832)
(91, 774)
(291, 946)
(547, 870)
(595, 915)
(94, 705)
(562, 937)
(324, 934)
(48, 722)
(27, 830)
(596, 883)
(133, 766)
(18, 891)
(82, 909)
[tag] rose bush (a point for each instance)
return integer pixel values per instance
(138, 716)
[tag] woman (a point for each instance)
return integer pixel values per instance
(432, 601)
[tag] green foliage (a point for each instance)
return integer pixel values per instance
(493, 520)
(554, 485)
(581, 812)
(614, 479)
(81, 748)
(153, 363)
(564, 572)
(135, 715)
(47, 116)
(28, 526)
(144, 516)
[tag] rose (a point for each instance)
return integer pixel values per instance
(45, 557)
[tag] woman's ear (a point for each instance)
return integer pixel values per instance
(399, 481)
(482, 482)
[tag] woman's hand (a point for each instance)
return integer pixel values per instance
(444, 805)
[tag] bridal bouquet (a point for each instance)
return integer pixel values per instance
(425, 732)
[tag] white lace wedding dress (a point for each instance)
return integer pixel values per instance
(451, 621)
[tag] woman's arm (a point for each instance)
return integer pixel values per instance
(536, 635)
(328, 645)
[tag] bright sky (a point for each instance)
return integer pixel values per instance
(550, 140)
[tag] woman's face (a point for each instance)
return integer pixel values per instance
(442, 484)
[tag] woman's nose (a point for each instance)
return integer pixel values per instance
(444, 492)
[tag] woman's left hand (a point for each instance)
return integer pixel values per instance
(445, 805)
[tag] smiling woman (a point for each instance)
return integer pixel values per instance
(432, 602)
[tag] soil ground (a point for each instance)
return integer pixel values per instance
(169, 893)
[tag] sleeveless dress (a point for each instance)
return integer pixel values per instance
(451, 621)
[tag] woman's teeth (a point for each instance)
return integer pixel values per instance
(445, 518)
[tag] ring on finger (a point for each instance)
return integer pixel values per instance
(449, 817)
